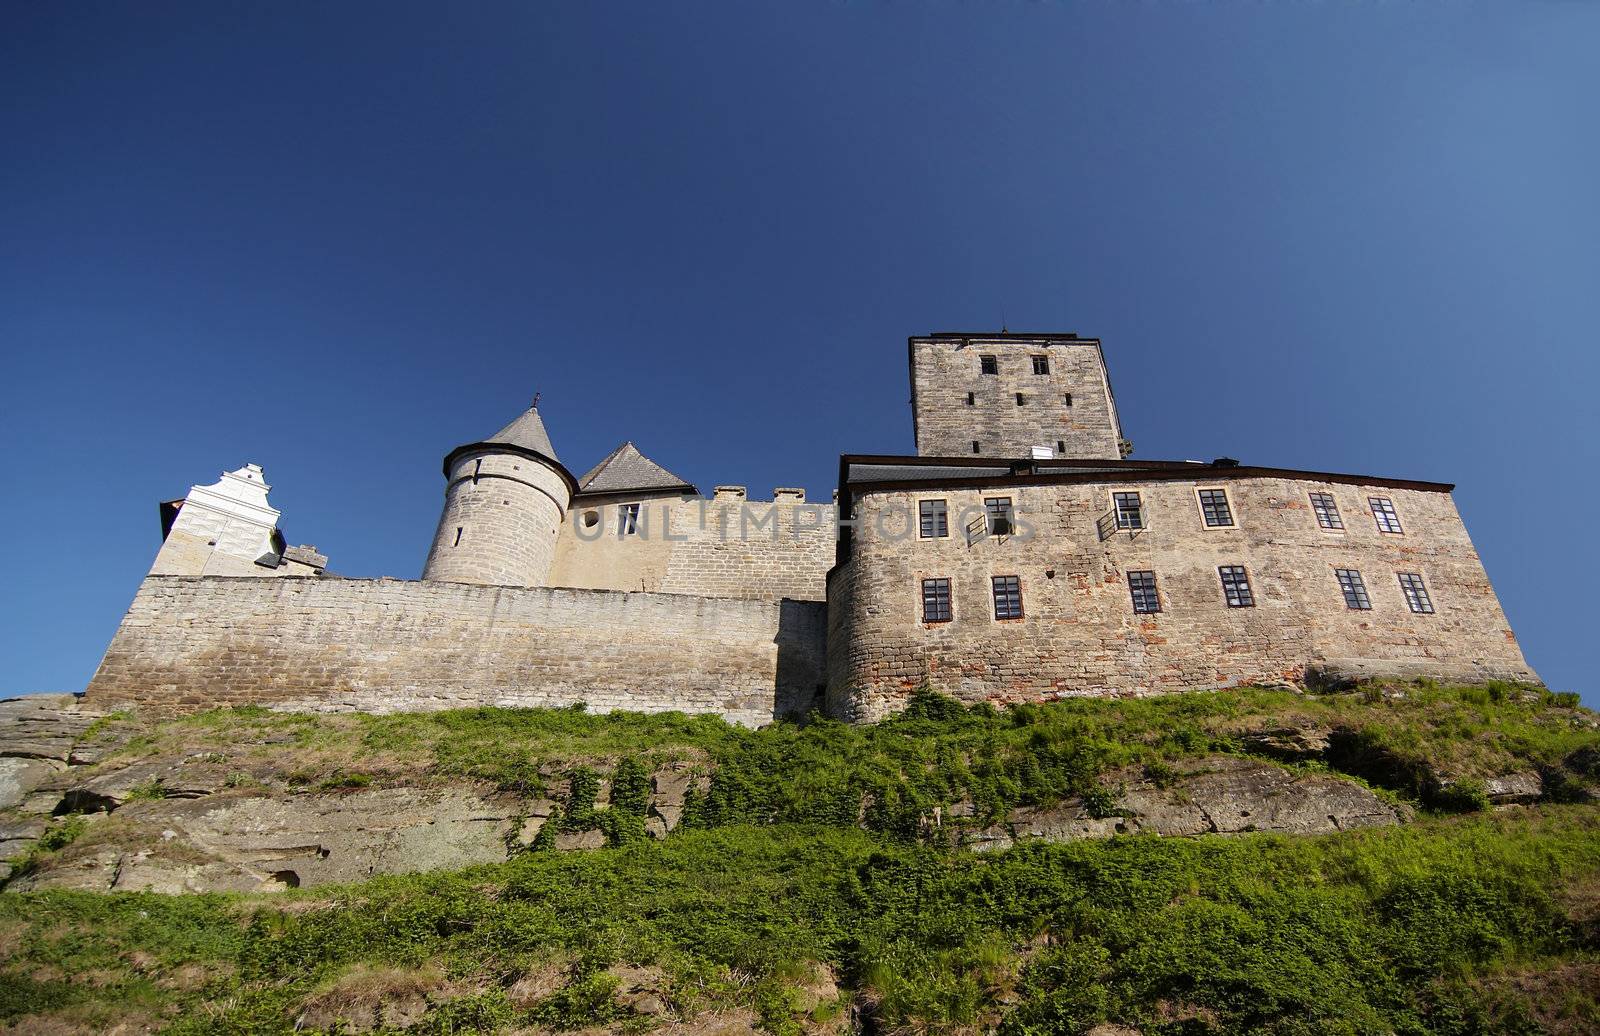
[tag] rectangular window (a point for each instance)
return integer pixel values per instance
(1061, 446)
(1142, 585)
(998, 508)
(1007, 597)
(1068, 398)
(1214, 509)
(1019, 399)
(1417, 598)
(936, 600)
(1041, 365)
(933, 519)
(972, 398)
(1236, 586)
(974, 446)
(1355, 591)
(1383, 511)
(458, 536)
(988, 365)
(627, 519)
(1130, 511)
(1327, 511)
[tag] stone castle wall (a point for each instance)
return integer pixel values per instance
(1080, 635)
(944, 372)
(390, 645)
(500, 522)
(726, 546)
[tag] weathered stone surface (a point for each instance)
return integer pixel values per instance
(41, 726)
(1219, 795)
(568, 840)
(1511, 788)
(20, 776)
(1289, 743)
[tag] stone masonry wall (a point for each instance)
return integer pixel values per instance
(389, 645)
(1080, 635)
(944, 372)
(722, 547)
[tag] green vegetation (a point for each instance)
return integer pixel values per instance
(802, 888)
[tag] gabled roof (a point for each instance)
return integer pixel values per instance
(527, 431)
(625, 469)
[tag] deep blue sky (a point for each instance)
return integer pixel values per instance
(339, 239)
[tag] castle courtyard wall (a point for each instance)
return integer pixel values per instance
(1079, 634)
(725, 546)
(386, 645)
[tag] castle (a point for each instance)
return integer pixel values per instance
(1020, 555)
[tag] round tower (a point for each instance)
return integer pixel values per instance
(504, 501)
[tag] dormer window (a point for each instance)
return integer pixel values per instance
(988, 365)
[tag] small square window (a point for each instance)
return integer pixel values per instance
(1142, 585)
(1236, 586)
(627, 519)
(1214, 509)
(933, 520)
(936, 600)
(1417, 598)
(1355, 590)
(1384, 514)
(972, 398)
(1068, 397)
(1130, 510)
(1007, 597)
(998, 509)
(1327, 510)
(988, 365)
(1020, 399)
(1041, 365)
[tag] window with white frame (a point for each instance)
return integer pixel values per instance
(932, 519)
(998, 511)
(627, 519)
(1130, 510)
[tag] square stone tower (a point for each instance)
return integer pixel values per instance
(1012, 395)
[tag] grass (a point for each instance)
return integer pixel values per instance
(804, 863)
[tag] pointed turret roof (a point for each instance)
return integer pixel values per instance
(625, 470)
(527, 431)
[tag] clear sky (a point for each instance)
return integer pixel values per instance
(339, 239)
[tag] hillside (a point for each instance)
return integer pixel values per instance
(1403, 859)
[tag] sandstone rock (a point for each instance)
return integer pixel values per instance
(19, 776)
(1289, 743)
(1220, 795)
(640, 990)
(368, 999)
(1511, 788)
(567, 840)
(145, 872)
(41, 726)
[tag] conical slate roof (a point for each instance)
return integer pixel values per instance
(527, 431)
(626, 469)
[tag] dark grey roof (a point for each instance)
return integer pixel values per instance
(626, 469)
(527, 431)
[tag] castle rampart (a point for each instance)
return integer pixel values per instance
(380, 645)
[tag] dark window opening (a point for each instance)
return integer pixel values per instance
(1068, 398)
(1020, 398)
(1327, 511)
(1041, 365)
(1236, 586)
(1061, 446)
(457, 543)
(1215, 510)
(936, 600)
(974, 446)
(477, 466)
(988, 365)
(1130, 510)
(998, 508)
(1355, 590)
(1417, 598)
(1007, 597)
(933, 519)
(971, 398)
(1142, 586)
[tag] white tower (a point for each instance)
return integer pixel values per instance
(504, 501)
